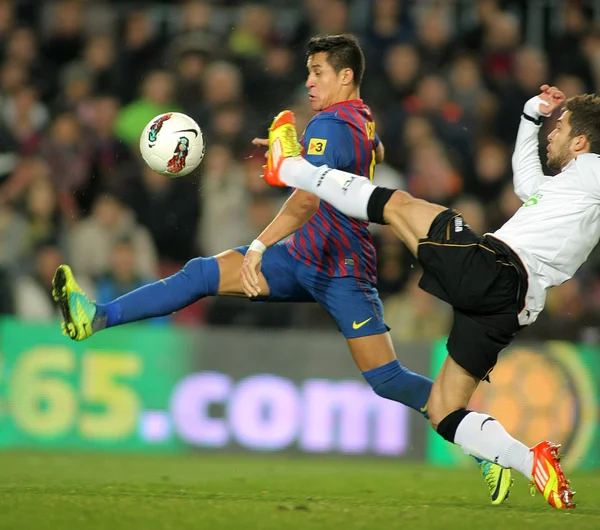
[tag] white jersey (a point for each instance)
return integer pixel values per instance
(559, 223)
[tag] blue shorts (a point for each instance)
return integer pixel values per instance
(352, 302)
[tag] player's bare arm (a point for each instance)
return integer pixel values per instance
(294, 214)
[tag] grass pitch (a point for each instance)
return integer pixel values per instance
(211, 492)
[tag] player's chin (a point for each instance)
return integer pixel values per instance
(315, 105)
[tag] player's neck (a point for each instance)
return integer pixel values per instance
(346, 96)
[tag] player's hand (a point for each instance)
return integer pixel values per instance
(552, 98)
(263, 142)
(249, 273)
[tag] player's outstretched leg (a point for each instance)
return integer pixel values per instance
(482, 436)
(83, 317)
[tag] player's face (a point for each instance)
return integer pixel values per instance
(323, 83)
(559, 140)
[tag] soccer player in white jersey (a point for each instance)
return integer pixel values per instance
(496, 283)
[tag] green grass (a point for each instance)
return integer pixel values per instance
(210, 492)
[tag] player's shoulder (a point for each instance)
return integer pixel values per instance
(328, 118)
(588, 162)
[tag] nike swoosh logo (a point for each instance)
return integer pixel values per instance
(360, 324)
(190, 131)
(486, 420)
(498, 484)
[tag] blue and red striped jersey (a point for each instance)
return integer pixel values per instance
(342, 137)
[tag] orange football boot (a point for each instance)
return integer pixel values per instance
(283, 143)
(548, 476)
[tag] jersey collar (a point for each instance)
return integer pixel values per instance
(348, 102)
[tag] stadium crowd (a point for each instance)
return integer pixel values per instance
(80, 79)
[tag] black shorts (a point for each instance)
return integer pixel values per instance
(483, 280)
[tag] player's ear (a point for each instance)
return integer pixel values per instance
(347, 76)
(581, 144)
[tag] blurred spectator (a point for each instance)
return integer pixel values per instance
(486, 12)
(394, 262)
(431, 175)
(140, 52)
(76, 84)
(221, 85)
(500, 39)
(333, 20)
(7, 19)
(168, 208)
(158, 90)
(504, 207)
(33, 292)
(390, 25)
(190, 67)
(252, 32)
(26, 116)
(416, 315)
(270, 82)
(68, 152)
(197, 18)
(402, 66)
(91, 242)
(123, 276)
(473, 213)
(66, 37)
(433, 40)
(468, 91)
(492, 170)
(113, 165)
(230, 126)
(22, 47)
(13, 228)
(99, 58)
(567, 51)
(531, 72)
(221, 193)
(432, 100)
(41, 209)
(13, 76)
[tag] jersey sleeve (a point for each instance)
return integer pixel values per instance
(528, 175)
(588, 166)
(377, 140)
(327, 142)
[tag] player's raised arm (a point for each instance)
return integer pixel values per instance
(527, 167)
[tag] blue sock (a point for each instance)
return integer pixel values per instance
(198, 279)
(393, 381)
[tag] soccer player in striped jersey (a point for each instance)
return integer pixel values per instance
(330, 258)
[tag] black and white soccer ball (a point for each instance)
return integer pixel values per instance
(172, 144)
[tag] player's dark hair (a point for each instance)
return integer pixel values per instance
(343, 51)
(584, 118)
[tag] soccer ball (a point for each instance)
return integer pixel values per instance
(172, 144)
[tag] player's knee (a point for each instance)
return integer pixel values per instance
(400, 199)
(201, 276)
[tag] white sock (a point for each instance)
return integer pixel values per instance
(347, 192)
(482, 436)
